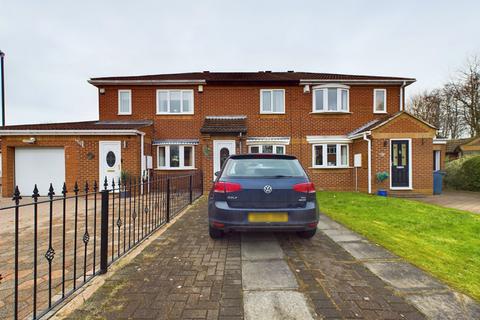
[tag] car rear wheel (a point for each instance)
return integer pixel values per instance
(307, 234)
(215, 233)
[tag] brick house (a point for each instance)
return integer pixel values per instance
(343, 128)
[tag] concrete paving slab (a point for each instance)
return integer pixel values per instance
(261, 250)
(276, 305)
(447, 305)
(365, 250)
(267, 275)
(339, 235)
(404, 276)
(257, 236)
(325, 223)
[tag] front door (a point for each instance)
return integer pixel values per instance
(222, 149)
(110, 156)
(400, 159)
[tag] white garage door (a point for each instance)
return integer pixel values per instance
(40, 166)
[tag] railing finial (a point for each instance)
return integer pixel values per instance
(51, 192)
(35, 194)
(16, 195)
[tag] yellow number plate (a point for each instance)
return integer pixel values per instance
(268, 217)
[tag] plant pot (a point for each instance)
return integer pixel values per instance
(382, 193)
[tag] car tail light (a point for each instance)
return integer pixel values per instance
(306, 187)
(226, 187)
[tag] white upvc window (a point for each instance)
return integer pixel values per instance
(437, 156)
(272, 101)
(174, 101)
(380, 101)
(331, 98)
(330, 155)
(267, 148)
(175, 157)
(124, 102)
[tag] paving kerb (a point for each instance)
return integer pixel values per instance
(77, 299)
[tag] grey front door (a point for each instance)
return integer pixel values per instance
(400, 164)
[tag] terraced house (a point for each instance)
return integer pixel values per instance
(344, 129)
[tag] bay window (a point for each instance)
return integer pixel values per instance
(331, 98)
(330, 155)
(175, 157)
(174, 101)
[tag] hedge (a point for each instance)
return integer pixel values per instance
(463, 174)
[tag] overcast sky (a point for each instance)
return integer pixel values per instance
(53, 47)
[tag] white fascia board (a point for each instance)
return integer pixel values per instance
(69, 132)
(268, 140)
(328, 139)
(360, 135)
(439, 141)
(145, 82)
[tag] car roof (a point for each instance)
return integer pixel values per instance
(262, 156)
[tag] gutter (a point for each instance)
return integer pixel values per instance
(68, 132)
(145, 82)
(369, 156)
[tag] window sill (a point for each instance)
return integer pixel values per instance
(331, 112)
(124, 114)
(273, 113)
(174, 114)
(380, 112)
(329, 168)
(176, 169)
(401, 188)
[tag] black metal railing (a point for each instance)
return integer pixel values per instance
(89, 228)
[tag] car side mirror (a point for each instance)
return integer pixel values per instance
(217, 174)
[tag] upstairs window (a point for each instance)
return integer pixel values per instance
(331, 98)
(125, 102)
(267, 148)
(174, 101)
(272, 101)
(330, 156)
(175, 157)
(380, 101)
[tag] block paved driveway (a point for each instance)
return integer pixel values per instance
(184, 274)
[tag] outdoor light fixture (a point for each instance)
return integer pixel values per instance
(101, 90)
(385, 143)
(306, 89)
(200, 88)
(31, 140)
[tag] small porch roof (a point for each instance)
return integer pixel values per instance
(224, 124)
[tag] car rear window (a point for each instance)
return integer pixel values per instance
(263, 167)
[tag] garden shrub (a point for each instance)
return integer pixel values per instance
(463, 174)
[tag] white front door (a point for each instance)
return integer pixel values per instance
(110, 155)
(222, 149)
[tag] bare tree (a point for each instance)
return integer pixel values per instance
(466, 91)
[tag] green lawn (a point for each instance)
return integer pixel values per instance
(442, 241)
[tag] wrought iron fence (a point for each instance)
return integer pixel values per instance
(88, 228)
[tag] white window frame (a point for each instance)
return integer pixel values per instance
(438, 160)
(274, 146)
(325, 155)
(271, 101)
(168, 91)
(325, 88)
(130, 102)
(181, 155)
(375, 100)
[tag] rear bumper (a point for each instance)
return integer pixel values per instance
(221, 216)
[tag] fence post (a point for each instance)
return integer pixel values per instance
(168, 199)
(104, 231)
(190, 186)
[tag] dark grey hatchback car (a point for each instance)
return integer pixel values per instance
(262, 192)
